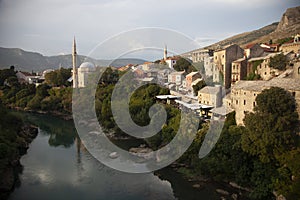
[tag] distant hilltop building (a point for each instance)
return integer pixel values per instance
(80, 76)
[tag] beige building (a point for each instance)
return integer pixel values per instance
(238, 70)
(244, 93)
(211, 96)
(208, 66)
(200, 54)
(222, 61)
(293, 46)
(253, 50)
(260, 65)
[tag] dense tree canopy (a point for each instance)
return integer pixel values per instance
(272, 127)
(58, 77)
(278, 62)
(183, 64)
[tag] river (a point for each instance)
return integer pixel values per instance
(57, 166)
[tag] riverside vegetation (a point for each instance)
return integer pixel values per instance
(15, 137)
(263, 155)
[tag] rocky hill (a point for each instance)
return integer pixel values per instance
(288, 26)
(28, 61)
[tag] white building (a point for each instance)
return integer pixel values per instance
(84, 72)
(171, 62)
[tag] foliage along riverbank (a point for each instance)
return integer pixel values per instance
(263, 155)
(15, 137)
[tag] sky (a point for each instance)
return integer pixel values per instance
(48, 26)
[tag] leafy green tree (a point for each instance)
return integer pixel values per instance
(58, 77)
(6, 73)
(271, 129)
(278, 62)
(183, 64)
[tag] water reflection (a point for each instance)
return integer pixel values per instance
(57, 166)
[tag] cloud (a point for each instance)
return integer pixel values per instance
(48, 26)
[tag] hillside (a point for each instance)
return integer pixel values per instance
(247, 37)
(28, 61)
(288, 26)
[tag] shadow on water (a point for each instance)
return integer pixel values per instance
(61, 132)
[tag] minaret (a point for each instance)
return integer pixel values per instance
(165, 52)
(75, 73)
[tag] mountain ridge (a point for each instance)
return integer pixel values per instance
(28, 61)
(288, 26)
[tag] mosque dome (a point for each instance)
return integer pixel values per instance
(47, 71)
(87, 66)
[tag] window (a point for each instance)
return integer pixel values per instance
(233, 67)
(294, 94)
(244, 102)
(216, 57)
(299, 70)
(237, 102)
(244, 93)
(254, 104)
(222, 56)
(254, 94)
(265, 73)
(237, 67)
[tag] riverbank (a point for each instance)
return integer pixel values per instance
(226, 189)
(10, 165)
(65, 116)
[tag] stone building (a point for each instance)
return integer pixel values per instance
(176, 77)
(292, 46)
(260, 66)
(190, 78)
(208, 65)
(253, 50)
(211, 96)
(222, 61)
(243, 94)
(200, 54)
(238, 70)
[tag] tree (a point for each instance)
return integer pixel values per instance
(270, 130)
(278, 62)
(58, 77)
(6, 73)
(183, 64)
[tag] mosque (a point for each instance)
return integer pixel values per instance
(80, 76)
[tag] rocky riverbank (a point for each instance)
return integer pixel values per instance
(11, 166)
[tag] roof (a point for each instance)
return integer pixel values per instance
(249, 46)
(193, 74)
(221, 110)
(255, 59)
(26, 73)
(285, 83)
(146, 79)
(264, 57)
(167, 97)
(239, 60)
(195, 106)
(210, 90)
(177, 73)
(196, 81)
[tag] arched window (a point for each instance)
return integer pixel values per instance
(299, 70)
